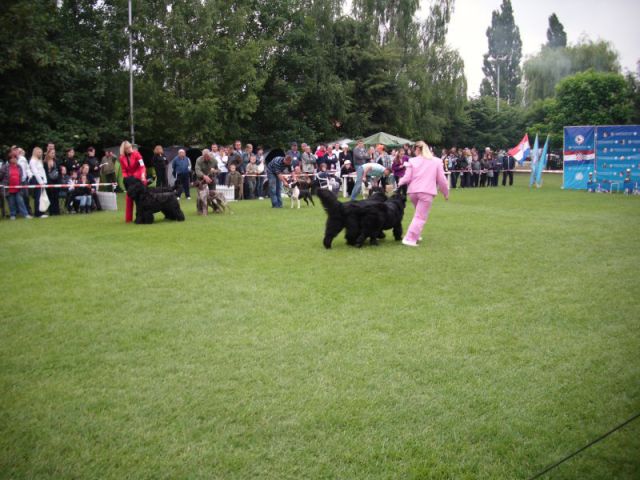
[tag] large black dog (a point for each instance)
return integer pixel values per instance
(149, 202)
(363, 219)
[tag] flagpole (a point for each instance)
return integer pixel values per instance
(133, 134)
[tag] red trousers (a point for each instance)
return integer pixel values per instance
(128, 213)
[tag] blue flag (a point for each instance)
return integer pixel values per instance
(534, 162)
(542, 162)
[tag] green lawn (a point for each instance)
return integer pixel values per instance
(236, 346)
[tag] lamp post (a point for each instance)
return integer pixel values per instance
(497, 61)
(133, 134)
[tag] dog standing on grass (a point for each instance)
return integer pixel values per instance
(209, 198)
(296, 193)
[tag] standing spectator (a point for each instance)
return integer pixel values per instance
(425, 175)
(26, 178)
(452, 163)
(53, 178)
(489, 165)
(235, 180)
(235, 156)
(222, 163)
(476, 168)
(108, 167)
(497, 167)
(466, 160)
(132, 165)
(39, 178)
(261, 177)
(345, 154)
(295, 154)
(308, 160)
(360, 154)
(159, 163)
(508, 166)
(207, 169)
(252, 177)
(398, 168)
(332, 159)
(92, 161)
(321, 156)
(71, 162)
(181, 169)
(276, 175)
(11, 175)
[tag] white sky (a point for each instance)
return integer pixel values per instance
(614, 20)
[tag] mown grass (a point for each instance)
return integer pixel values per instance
(236, 346)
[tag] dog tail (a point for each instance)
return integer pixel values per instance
(330, 202)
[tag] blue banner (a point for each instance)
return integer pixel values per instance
(617, 156)
(579, 156)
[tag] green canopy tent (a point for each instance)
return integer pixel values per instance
(385, 139)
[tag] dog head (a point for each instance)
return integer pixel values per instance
(134, 186)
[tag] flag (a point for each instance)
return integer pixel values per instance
(534, 162)
(522, 150)
(542, 162)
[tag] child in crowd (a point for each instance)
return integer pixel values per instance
(234, 178)
(252, 172)
(84, 191)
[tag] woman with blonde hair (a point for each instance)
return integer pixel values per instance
(132, 165)
(160, 166)
(39, 178)
(424, 176)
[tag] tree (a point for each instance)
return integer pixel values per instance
(556, 36)
(505, 52)
(543, 71)
(589, 98)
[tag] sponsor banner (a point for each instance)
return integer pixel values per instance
(576, 175)
(620, 160)
(579, 155)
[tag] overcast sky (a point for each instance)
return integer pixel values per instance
(617, 21)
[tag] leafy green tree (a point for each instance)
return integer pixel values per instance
(589, 98)
(543, 71)
(505, 52)
(556, 36)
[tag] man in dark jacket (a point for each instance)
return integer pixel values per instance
(508, 166)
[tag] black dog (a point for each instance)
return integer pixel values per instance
(148, 202)
(364, 219)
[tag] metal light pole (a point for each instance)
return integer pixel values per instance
(497, 61)
(133, 134)
(498, 88)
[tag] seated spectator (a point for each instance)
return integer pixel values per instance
(328, 179)
(83, 192)
(345, 173)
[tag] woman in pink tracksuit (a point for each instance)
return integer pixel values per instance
(424, 175)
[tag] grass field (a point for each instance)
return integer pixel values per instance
(238, 347)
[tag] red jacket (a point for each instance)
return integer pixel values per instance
(133, 166)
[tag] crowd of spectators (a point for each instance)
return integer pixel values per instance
(70, 180)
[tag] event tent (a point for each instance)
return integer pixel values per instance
(385, 139)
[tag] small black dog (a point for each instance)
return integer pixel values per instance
(149, 202)
(363, 219)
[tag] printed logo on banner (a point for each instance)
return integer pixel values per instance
(579, 139)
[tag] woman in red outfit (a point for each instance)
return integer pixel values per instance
(132, 166)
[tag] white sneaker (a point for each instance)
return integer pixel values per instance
(408, 243)
(188, 198)
(28, 217)
(420, 239)
(13, 218)
(44, 216)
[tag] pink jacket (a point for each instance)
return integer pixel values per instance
(425, 175)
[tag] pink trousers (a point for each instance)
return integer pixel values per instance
(422, 202)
